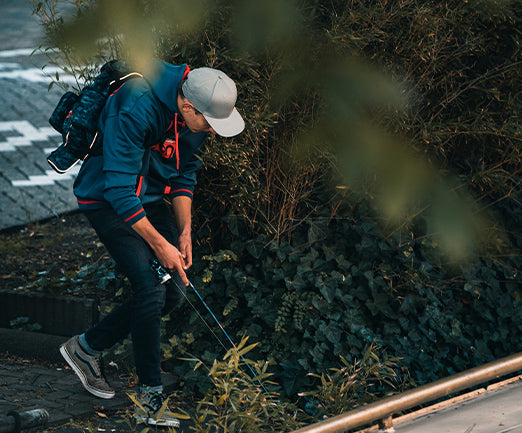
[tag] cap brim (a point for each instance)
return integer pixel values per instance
(229, 126)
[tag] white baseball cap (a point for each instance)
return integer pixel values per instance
(214, 95)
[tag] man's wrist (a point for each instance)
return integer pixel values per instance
(185, 232)
(147, 231)
(159, 247)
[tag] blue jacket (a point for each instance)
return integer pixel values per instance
(148, 152)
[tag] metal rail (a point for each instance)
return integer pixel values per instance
(384, 408)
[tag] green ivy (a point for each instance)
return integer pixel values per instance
(319, 298)
(23, 324)
(99, 280)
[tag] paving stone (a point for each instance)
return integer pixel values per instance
(51, 404)
(44, 371)
(82, 397)
(8, 381)
(4, 182)
(115, 403)
(23, 100)
(11, 170)
(7, 407)
(31, 386)
(36, 403)
(11, 373)
(19, 26)
(66, 379)
(23, 387)
(79, 410)
(43, 381)
(59, 418)
(58, 395)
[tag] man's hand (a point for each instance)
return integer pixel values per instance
(168, 255)
(185, 247)
(171, 258)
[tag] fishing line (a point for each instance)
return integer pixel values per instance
(254, 375)
(201, 317)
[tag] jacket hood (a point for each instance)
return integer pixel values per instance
(165, 79)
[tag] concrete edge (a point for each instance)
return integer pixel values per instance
(32, 345)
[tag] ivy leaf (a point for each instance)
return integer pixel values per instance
(326, 290)
(254, 248)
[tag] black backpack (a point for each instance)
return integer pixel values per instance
(76, 116)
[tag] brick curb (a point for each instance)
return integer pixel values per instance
(31, 345)
(56, 315)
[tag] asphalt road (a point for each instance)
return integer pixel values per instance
(29, 189)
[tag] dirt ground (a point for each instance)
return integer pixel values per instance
(52, 248)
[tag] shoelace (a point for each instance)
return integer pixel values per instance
(100, 367)
(97, 366)
(97, 362)
(156, 401)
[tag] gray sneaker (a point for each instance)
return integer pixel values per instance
(87, 367)
(152, 409)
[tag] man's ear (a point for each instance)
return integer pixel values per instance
(186, 106)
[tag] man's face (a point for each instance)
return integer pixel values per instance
(194, 119)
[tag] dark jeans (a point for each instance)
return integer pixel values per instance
(141, 313)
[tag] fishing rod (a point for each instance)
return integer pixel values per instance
(164, 276)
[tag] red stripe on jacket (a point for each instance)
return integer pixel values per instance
(182, 190)
(132, 216)
(140, 185)
(89, 201)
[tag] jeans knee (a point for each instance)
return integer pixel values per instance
(150, 301)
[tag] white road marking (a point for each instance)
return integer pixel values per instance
(9, 65)
(10, 70)
(26, 134)
(16, 53)
(36, 75)
(49, 178)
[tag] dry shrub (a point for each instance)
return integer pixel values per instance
(457, 65)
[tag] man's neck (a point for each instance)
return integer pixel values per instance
(179, 104)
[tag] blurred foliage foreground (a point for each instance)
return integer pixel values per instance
(374, 197)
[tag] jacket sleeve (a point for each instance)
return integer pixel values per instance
(125, 135)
